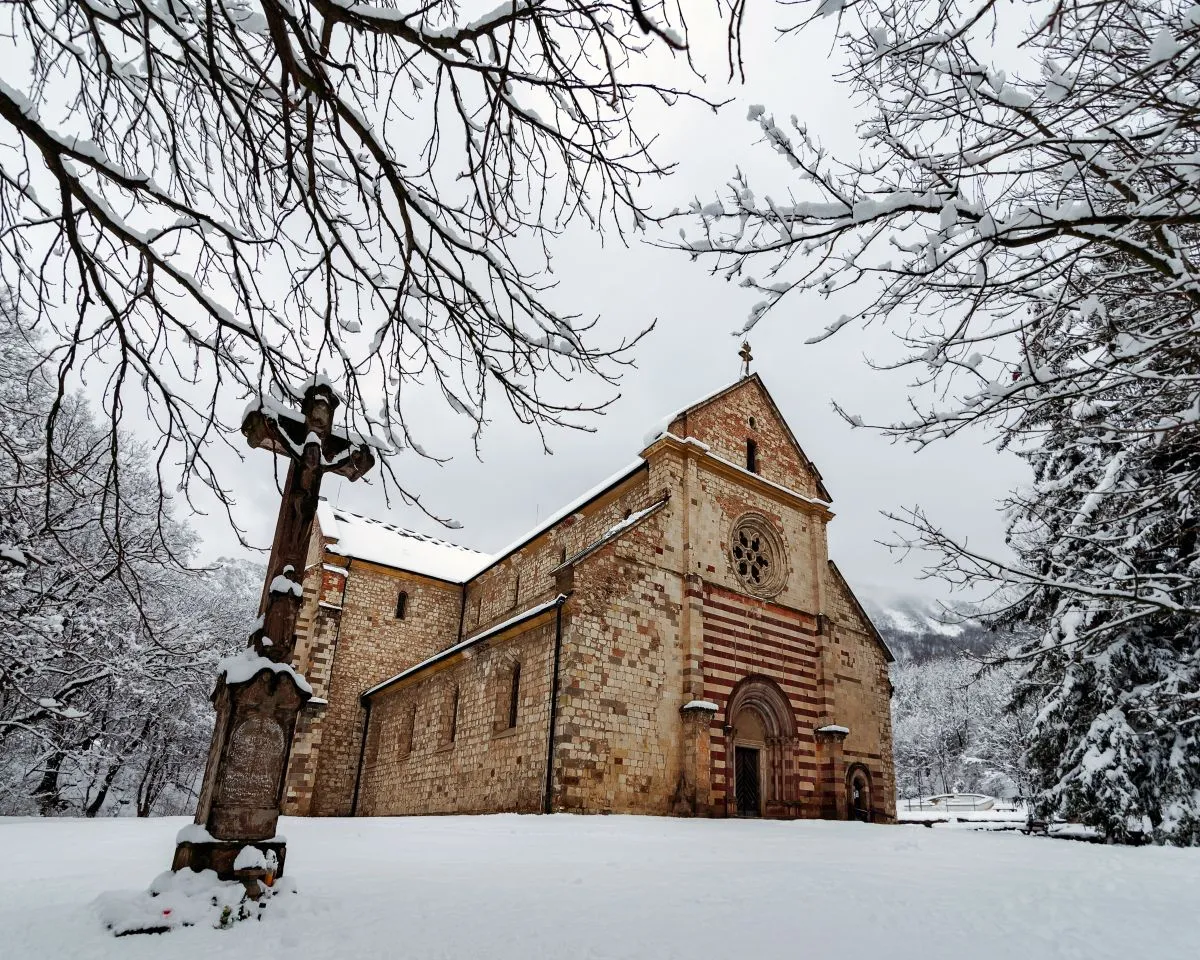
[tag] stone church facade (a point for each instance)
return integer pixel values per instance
(675, 642)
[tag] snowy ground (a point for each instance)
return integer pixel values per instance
(573, 887)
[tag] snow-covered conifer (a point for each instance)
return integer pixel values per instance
(1024, 213)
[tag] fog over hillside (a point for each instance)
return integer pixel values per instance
(954, 726)
(919, 629)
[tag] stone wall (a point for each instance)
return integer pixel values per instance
(861, 693)
(371, 646)
(719, 500)
(747, 637)
(488, 771)
(413, 766)
(526, 577)
(316, 632)
(618, 746)
(725, 424)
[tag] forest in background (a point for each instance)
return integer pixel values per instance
(109, 635)
(954, 725)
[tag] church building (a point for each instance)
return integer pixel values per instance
(674, 642)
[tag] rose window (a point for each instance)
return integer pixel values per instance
(750, 556)
(756, 553)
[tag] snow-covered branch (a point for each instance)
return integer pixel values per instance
(245, 193)
(1023, 215)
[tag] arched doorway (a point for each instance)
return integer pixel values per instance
(749, 745)
(858, 793)
(760, 728)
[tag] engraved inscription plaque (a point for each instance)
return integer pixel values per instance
(254, 764)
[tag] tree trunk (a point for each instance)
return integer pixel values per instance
(150, 786)
(102, 794)
(48, 798)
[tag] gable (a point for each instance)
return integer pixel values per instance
(742, 412)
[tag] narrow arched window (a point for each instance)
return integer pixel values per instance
(752, 456)
(401, 605)
(514, 695)
(454, 715)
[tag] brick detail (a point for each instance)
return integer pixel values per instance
(724, 425)
(618, 744)
(859, 695)
(745, 637)
(353, 648)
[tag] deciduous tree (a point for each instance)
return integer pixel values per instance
(229, 198)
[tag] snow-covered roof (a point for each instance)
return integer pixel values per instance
(573, 507)
(377, 541)
(527, 614)
(615, 531)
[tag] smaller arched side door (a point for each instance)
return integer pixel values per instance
(858, 793)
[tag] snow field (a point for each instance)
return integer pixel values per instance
(522, 888)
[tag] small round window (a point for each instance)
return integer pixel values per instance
(756, 553)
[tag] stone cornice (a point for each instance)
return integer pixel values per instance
(691, 448)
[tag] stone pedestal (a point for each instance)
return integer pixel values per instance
(220, 855)
(244, 777)
(830, 739)
(259, 694)
(694, 794)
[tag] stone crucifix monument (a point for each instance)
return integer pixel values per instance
(258, 693)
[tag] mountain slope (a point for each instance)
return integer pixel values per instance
(919, 629)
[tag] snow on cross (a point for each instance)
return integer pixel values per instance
(259, 693)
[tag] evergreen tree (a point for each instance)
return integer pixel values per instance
(1023, 205)
(1106, 539)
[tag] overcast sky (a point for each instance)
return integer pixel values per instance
(692, 352)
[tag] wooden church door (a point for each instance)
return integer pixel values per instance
(749, 782)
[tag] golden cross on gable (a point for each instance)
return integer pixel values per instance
(746, 356)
